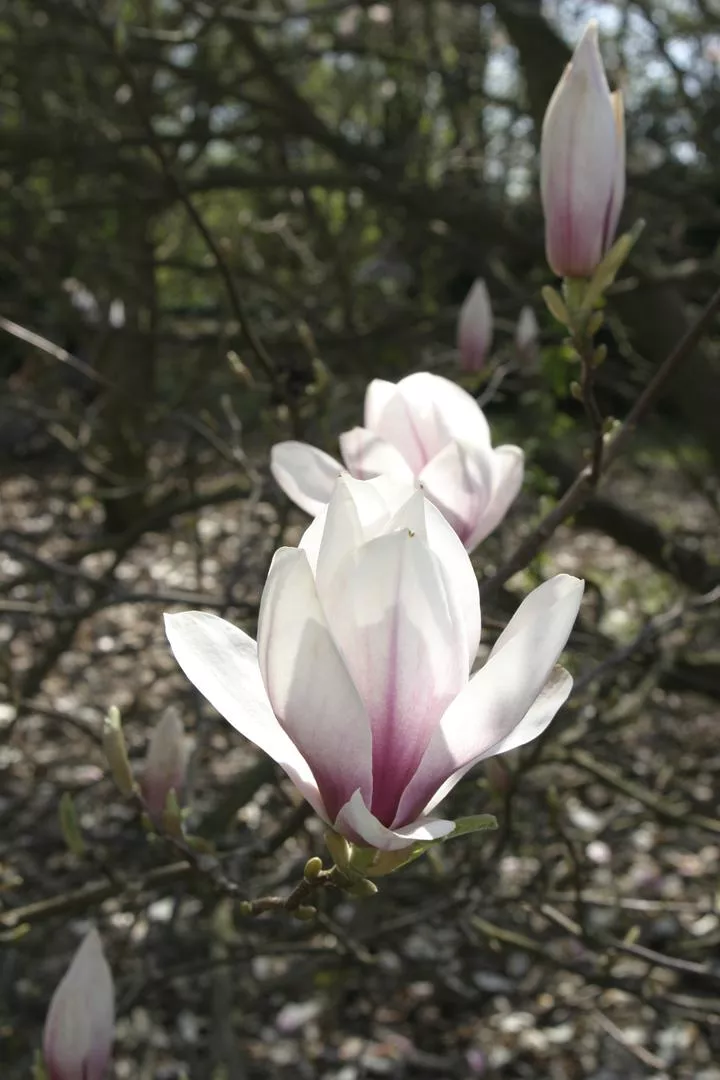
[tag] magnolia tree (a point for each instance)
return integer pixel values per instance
(363, 682)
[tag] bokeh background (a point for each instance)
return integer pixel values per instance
(218, 220)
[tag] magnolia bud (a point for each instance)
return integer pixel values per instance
(80, 1022)
(475, 328)
(116, 753)
(526, 336)
(582, 163)
(165, 765)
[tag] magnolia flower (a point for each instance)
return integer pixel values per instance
(526, 335)
(475, 327)
(582, 163)
(80, 1022)
(359, 685)
(165, 765)
(425, 430)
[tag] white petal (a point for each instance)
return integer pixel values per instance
(499, 695)
(221, 661)
(367, 455)
(306, 475)
(371, 503)
(357, 823)
(548, 702)
(404, 643)
(421, 517)
(311, 691)
(441, 410)
(377, 397)
(397, 425)
(508, 465)
(459, 574)
(459, 481)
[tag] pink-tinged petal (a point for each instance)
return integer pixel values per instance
(459, 481)
(548, 702)
(459, 574)
(359, 825)
(499, 695)
(378, 396)
(421, 517)
(508, 463)
(367, 455)
(403, 640)
(475, 328)
(306, 475)
(578, 157)
(443, 411)
(79, 1029)
(308, 684)
(221, 661)
(399, 426)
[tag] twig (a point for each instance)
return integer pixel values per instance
(585, 482)
(156, 147)
(58, 353)
(639, 1052)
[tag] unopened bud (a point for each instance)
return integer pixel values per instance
(340, 850)
(313, 868)
(526, 336)
(475, 328)
(582, 163)
(362, 888)
(80, 1023)
(172, 817)
(305, 912)
(165, 766)
(113, 741)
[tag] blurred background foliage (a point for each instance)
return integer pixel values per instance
(330, 176)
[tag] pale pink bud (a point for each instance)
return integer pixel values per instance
(526, 335)
(475, 328)
(81, 1019)
(165, 765)
(582, 163)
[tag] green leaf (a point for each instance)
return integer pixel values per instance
(474, 823)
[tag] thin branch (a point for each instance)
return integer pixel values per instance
(585, 482)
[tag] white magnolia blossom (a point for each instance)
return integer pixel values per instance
(582, 163)
(79, 1028)
(359, 685)
(426, 431)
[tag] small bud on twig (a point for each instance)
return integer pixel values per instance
(165, 768)
(313, 867)
(113, 741)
